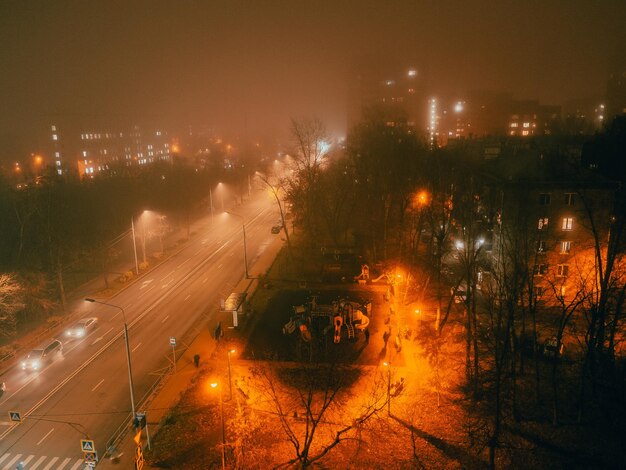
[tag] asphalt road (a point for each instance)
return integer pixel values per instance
(85, 391)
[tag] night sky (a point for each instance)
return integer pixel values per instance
(247, 66)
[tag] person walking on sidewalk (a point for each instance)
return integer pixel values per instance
(196, 360)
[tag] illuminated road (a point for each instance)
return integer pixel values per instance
(85, 392)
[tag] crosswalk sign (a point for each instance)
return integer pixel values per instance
(15, 416)
(86, 445)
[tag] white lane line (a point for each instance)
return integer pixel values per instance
(65, 462)
(97, 385)
(42, 439)
(99, 338)
(6, 423)
(52, 462)
(12, 462)
(204, 280)
(38, 463)
(183, 263)
(198, 251)
(4, 457)
(166, 317)
(133, 350)
(77, 465)
(187, 298)
(28, 459)
(219, 267)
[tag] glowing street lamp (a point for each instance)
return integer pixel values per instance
(215, 385)
(130, 372)
(245, 251)
(230, 382)
(388, 366)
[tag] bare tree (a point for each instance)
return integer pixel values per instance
(11, 302)
(312, 400)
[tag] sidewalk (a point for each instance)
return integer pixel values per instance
(171, 388)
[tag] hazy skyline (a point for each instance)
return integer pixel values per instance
(246, 67)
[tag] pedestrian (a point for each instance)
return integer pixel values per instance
(366, 332)
(196, 360)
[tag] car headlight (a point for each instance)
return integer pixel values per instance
(68, 333)
(23, 365)
(36, 364)
(80, 333)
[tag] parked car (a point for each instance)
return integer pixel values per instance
(81, 327)
(38, 358)
(552, 347)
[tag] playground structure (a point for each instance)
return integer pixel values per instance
(339, 314)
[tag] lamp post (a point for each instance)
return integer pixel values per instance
(211, 201)
(132, 226)
(130, 372)
(215, 385)
(230, 382)
(388, 366)
(245, 251)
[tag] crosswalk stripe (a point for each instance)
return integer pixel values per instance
(4, 457)
(78, 463)
(28, 459)
(38, 463)
(62, 466)
(11, 462)
(49, 466)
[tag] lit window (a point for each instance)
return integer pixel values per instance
(55, 137)
(57, 154)
(411, 91)
(513, 124)
(58, 163)
(412, 73)
(540, 269)
(541, 246)
(84, 153)
(563, 291)
(526, 125)
(562, 270)
(566, 247)
(567, 224)
(544, 199)
(570, 199)
(54, 128)
(543, 222)
(524, 132)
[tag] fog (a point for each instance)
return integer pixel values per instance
(244, 67)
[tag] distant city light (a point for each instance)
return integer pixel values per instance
(458, 107)
(412, 73)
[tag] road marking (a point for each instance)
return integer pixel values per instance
(145, 283)
(98, 384)
(181, 264)
(49, 466)
(77, 465)
(28, 459)
(136, 347)
(42, 439)
(102, 337)
(6, 423)
(204, 280)
(65, 462)
(4, 457)
(187, 298)
(12, 462)
(166, 317)
(104, 347)
(38, 463)
(220, 266)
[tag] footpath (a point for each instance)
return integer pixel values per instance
(171, 388)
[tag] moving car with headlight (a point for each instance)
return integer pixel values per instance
(38, 358)
(81, 328)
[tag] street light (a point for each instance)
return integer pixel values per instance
(388, 366)
(230, 382)
(215, 385)
(221, 188)
(130, 373)
(245, 251)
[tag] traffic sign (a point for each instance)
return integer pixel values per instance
(90, 464)
(172, 341)
(87, 445)
(90, 456)
(15, 416)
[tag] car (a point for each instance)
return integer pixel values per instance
(81, 327)
(37, 358)
(276, 229)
